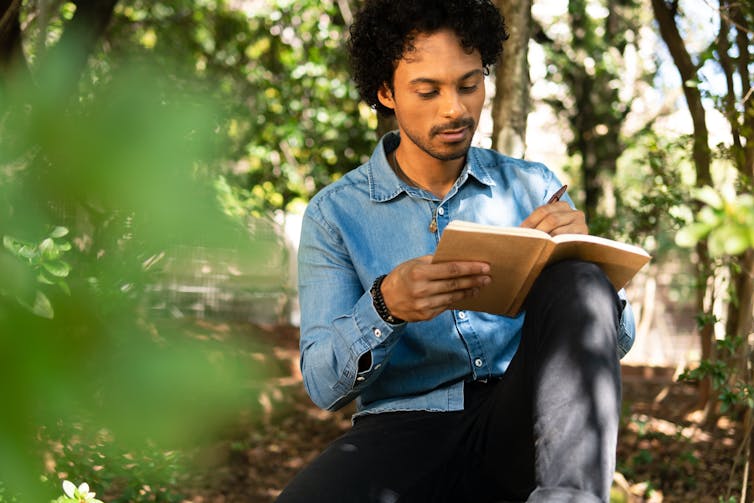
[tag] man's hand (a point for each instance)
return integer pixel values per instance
(557, 218)
(419, 290)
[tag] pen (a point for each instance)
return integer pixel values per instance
(556, 196)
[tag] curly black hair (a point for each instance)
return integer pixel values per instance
(383, 30)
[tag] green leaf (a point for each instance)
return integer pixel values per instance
(716, 245)
(42, 278)
(42, 306)
(64, 286)
(12, 245)
(47, 247)
(690, 235)
(59, 232)
(734, 242)
(57, 268)
(711, 216)
(709, 196)
(736, 245)
(28, 252)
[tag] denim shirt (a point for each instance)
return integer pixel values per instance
(363, 226)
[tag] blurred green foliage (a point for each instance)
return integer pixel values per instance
(293, 118)
(91, 189)
(190, 107)
(186, 112)
(726, 220)
(120, 473)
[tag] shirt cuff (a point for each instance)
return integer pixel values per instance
(375, 336)
(626, 326)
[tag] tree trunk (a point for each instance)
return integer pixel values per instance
(510, 105)
(743, 43)
(707, 327)
(665, 15)
(742, 274)
(672, 37)
(80, 36)
(385, 125)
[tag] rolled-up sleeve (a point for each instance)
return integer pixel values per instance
(339, 324)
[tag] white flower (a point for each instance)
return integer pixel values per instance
(69, 488)
(79, 494)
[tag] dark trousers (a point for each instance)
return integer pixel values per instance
(545, 432)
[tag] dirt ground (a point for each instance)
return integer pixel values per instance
(664, 453)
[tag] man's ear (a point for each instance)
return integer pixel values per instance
(385, 95)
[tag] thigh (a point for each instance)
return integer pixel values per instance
(503, 434)
(567, 348)
(391, 457)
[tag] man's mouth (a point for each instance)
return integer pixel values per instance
(455, 131)
(453, 135)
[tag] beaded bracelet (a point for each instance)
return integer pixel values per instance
(379, 302)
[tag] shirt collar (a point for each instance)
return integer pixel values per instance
(385, 185)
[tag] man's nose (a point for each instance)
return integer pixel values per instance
(452, 105)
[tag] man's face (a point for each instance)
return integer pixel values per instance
(437, 95)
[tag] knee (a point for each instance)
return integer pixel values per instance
(574, 306)
(576, 287)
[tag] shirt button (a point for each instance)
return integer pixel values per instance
(478, 362)
(462, 315)
(360, 378)
(377, 366)
(440, 210)
(377, 333)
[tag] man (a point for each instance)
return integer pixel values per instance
(451, 405)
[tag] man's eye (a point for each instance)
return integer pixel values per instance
(469, 89)
(427, 95)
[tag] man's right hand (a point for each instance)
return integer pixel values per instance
(419, 290)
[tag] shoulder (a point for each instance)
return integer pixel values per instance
(501, 164)
(529, 182)
(346, 193)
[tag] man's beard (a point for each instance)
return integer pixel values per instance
(456, 153)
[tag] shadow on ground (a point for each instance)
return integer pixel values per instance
(665, 454)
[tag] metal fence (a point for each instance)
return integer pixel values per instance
(211, 282)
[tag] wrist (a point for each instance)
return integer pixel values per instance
(379, 302)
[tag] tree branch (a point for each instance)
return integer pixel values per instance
(346, 12)
(665, 15)
(723, 46)
(12, 57)
(81, 35)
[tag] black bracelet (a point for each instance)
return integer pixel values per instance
(379, 302)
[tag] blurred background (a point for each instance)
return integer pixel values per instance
(155, 161)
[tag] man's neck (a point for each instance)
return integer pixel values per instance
(417, 168)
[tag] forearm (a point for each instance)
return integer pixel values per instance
(331, 351)
(339, 324)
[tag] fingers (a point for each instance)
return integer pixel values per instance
(419, 290)
(424, 280)
(557, 218)
(428, 307)
(453, 270)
